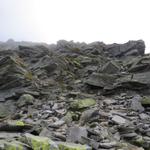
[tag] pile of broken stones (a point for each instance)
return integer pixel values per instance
(75, 96)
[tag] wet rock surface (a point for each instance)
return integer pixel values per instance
(74, 96)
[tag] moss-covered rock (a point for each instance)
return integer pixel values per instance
(71, 116)
(141, 142)
(15, 126)
(82, 103)
(20, 123)
(14, 145)
(145, 101)
(25, 99)
(72, 146)
(39, 143)
(68, 118)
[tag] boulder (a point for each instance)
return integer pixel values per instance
(111, 68)
(131, 48)
(145, 101)
(88, 115)
(4, 111)
(32, 52)
(14, 73)
(25, 99)
(44, 66)
(75, 134)
(119, 120)
(139, 64)
(101, 80)
(136, 103)
(134, 81)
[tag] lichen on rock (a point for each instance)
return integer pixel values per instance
(82, 103)
(39, 143)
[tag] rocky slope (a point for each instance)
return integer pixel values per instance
(75, 96)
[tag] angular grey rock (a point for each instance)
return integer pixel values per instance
(7, 109)
(144, 116)
(136, 103)
(101, 80)
(134, 81)
(8, 135)
(4, 111)
(13, 73)
(45, 66)
(75, 134)
(25, 99)
(139, 64)
(57, 124)
(121, 50)
(129, 135)
(94, 144)
(111, 68)
(108, 145)
(66, 145)
(88, 115)
(46, 133)
(118, 120)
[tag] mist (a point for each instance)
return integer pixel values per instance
(79, 20)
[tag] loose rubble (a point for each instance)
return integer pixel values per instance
(74, 96)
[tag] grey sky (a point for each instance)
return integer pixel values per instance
(16, 21)
(78, 20)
